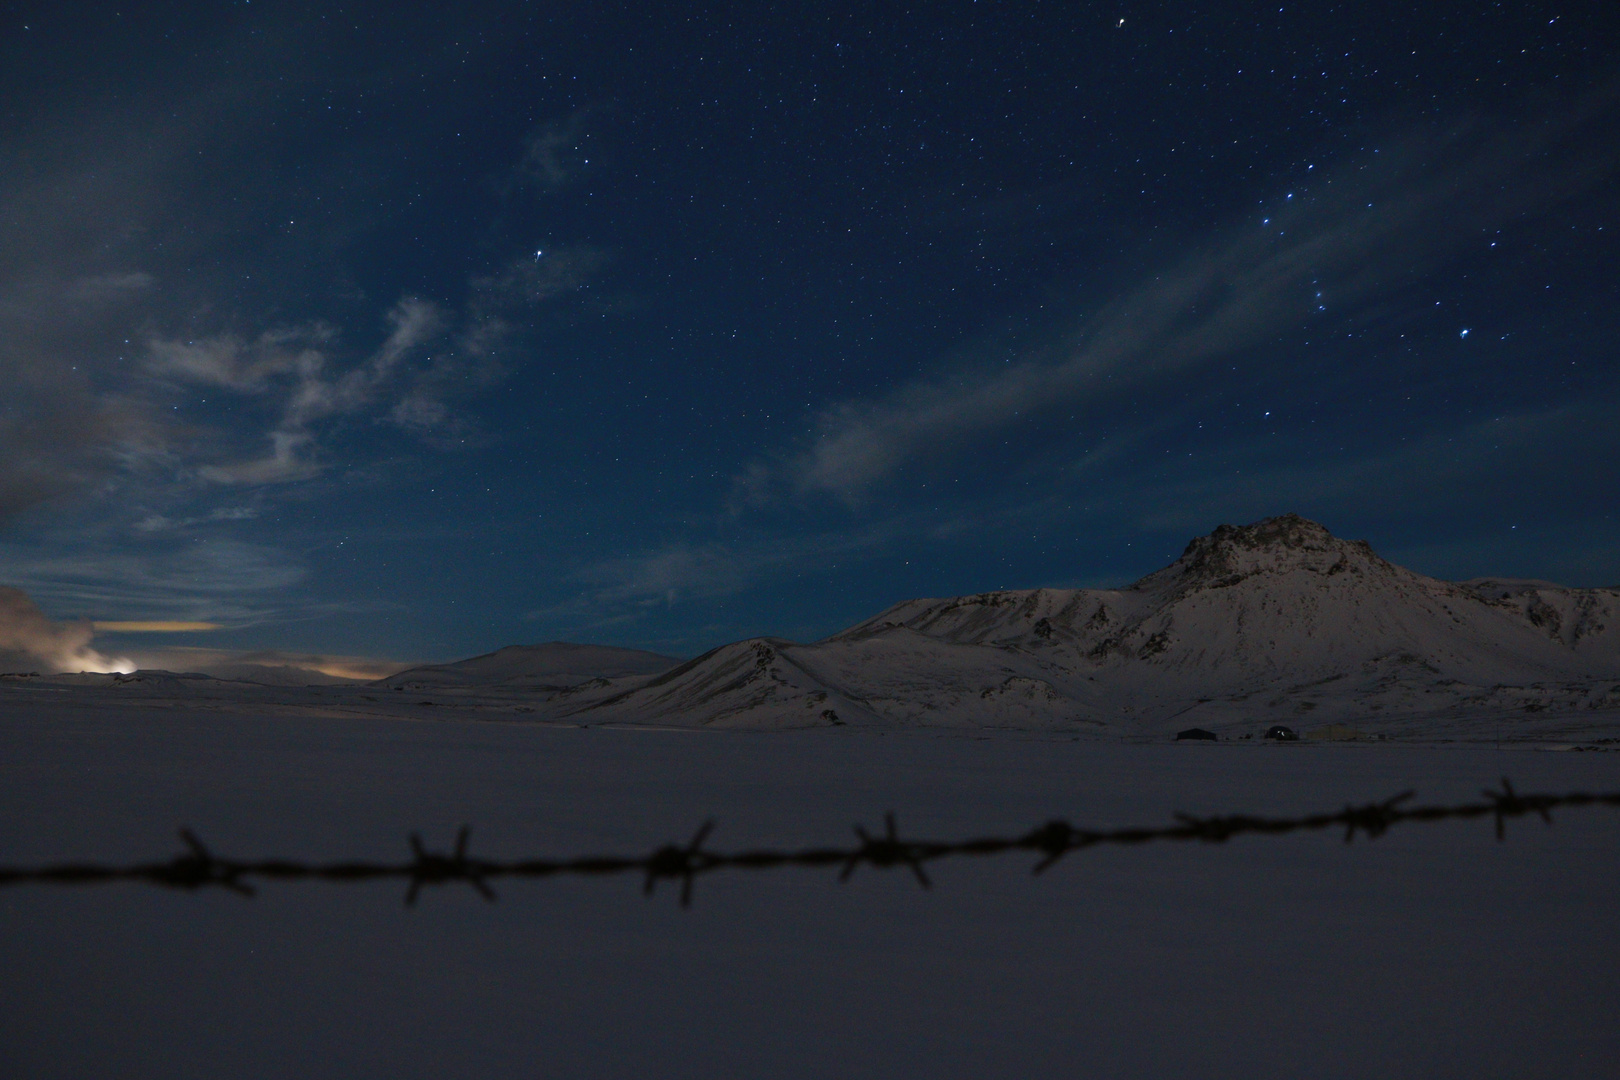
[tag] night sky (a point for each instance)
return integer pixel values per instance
(413, 331)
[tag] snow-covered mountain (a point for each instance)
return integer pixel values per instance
(1278, 621)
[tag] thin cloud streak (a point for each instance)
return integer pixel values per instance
(221, 580)
(1367, 231)
(149, 626)
(624, 590)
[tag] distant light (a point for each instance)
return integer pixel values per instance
(1464, 332)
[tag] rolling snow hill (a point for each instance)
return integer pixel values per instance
(552, 666)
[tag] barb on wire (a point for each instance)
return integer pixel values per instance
(888, 850)
(429, 868)
(685, 863)
(1056, 839)
(1507, 802)
(1374, 819)
(197, 867)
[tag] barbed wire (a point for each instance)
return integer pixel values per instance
(197, 867)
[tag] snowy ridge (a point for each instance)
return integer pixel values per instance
(1279, 620)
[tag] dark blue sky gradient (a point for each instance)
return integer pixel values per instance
(411, 332)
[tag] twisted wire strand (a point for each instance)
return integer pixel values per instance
(198, 867)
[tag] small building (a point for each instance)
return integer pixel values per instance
(1196, 733)
(1282, 733)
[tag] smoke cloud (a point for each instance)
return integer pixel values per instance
(30, 640)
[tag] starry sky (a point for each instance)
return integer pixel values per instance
(411, 331)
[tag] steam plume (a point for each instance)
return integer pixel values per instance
(28, 639)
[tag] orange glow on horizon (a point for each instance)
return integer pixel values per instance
(157, 626)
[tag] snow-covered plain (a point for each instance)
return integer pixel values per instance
(1432, 952)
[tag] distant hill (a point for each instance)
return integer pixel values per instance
(554, 665)
(1278, 621)
(275, 675)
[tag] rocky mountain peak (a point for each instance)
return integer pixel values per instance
(1283, 531)
(1275, 545)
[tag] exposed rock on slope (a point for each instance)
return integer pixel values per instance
(1272, 620)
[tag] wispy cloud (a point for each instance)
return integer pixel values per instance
(115, 286)
(1363, 232)
(554, 154)
(229, 363)
(216, 580)
(404, 381)
(158, 523)
(624, 590)
(296, 363)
